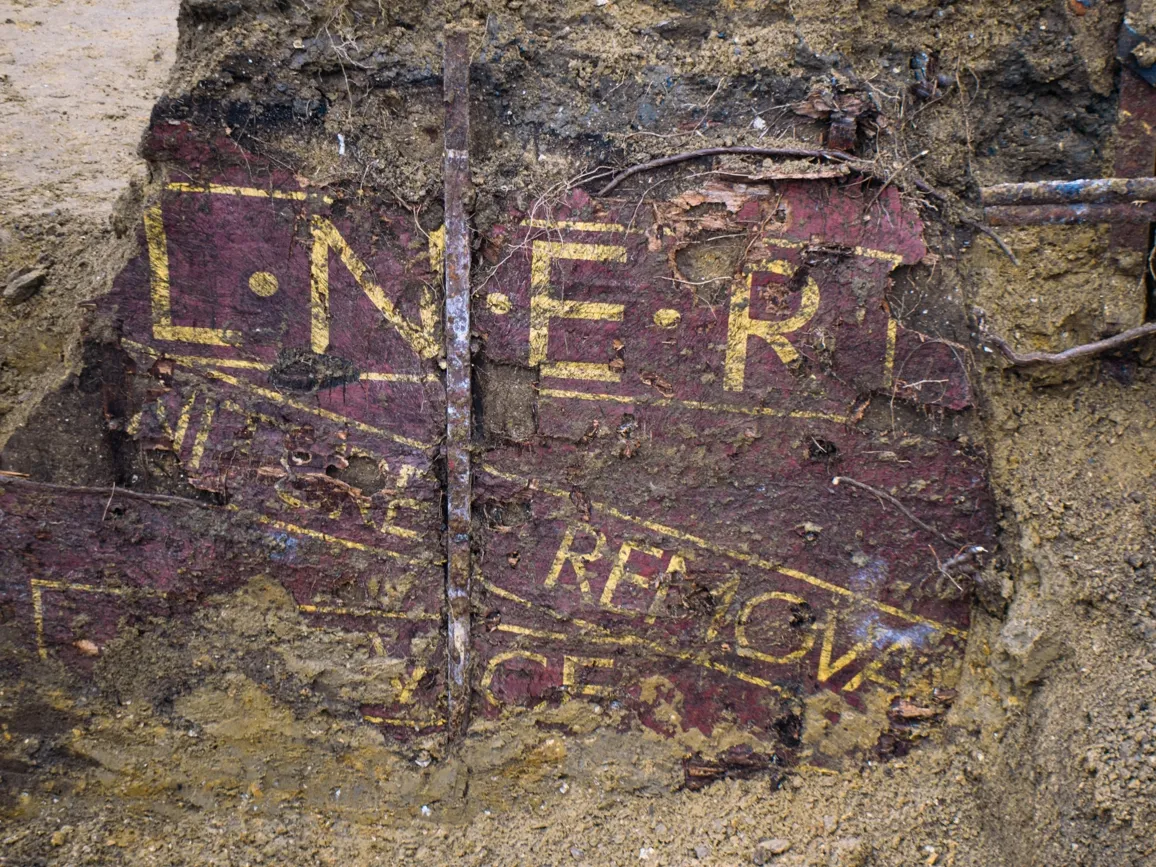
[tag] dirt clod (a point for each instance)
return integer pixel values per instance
(24, 285)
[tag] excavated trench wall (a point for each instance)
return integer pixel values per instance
(763, 530)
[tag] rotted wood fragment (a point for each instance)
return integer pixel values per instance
(812, 153)
(737, 763)
(905, 710)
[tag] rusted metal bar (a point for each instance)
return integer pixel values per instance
(1034, 215)
(1093, 191)
(456, 77)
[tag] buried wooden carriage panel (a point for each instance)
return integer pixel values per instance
(687, 406)
(271, 357)
(697, 502)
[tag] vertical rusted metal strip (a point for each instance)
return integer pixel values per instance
(1135, 151)
(456, 78)
(1135, 147)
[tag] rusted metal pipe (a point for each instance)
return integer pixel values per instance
(1093, 191)
(1034, 215)
(456, 79)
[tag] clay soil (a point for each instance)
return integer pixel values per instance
(172, 754)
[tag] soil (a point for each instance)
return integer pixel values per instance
(210, 740)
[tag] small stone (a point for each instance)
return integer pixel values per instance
(23, 286)
(702, 851)
(769, 847)
(87, 647)
(58, 837)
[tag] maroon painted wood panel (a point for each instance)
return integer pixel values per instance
(668, 392)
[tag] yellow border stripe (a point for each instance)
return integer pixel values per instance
(210, 361)
(277, 397)
(437, 722)
(579, 226)
(606, 637)
(252, 192)
(742, 557)
(367, 612)
(559, 393)
(867, 252)
(344, 543)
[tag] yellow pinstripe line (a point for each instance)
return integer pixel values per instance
(606, 637)
(253, 192)
(694, 404)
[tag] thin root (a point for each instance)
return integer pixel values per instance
(987, 230)
(1024, 359)
(161, 499)
(883, 495)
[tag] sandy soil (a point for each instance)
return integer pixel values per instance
(79, 81)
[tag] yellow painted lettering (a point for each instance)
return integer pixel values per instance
(202, 437)
(406, 684)
(722, 598)
(496, 660)
(546, 305)
(570, 666)
(389, 525)
(182, 422)
(741, 327)
(326, 239)
(745, 647)
(578, 562)
(621, 570)
(872, 671)
(161, 291)
(827, 669)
